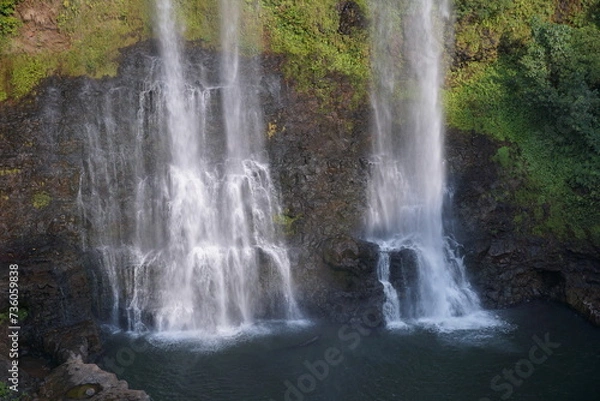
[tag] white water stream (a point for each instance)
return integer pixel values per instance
(406, 191)
(195, 247)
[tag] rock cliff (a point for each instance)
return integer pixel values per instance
(319, 154)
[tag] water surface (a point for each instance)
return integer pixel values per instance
(346, 363)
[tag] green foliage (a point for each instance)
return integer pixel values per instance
(4, 390)
(98, 29)
(562, 71)
(484, 30)
(538, 88)
(6, 394)
(561, 79)
(26, 72)
(21, 314)
(503, 157)
(485, 103)
(307, 33)
(95, 29)
(201, 20)
(8, 21)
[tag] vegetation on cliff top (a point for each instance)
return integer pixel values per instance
(8, 21)
(67, 37)
(321, 40)
(528, 72)
(83, 37)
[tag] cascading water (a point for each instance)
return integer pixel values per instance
(194, 247)
(407, 186)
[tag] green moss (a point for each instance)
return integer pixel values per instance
(503, 157)
(486, 29)
(6, 394)
(21, 315)
(83, 391)
(4, 390)
(98, 29)
(9, 171)
(26, 72)
(286, 222)
(485, 103)
(41, 200)
(306, 33)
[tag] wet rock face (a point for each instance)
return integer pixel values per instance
(81, 341)
(39, 172)
(403, 271)
(40, 226)
(507, 266)
(53, 286)
(319, 160)
(351, 262)
(350, 254)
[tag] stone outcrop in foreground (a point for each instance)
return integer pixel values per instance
(75, 380)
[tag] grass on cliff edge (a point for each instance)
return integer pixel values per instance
(308, 34)
(94, 31)
(305, 32)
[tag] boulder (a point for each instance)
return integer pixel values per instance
(75, 380)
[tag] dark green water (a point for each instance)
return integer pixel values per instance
(543, 352)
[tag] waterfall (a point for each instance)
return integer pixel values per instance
(193, 246)
(406, 191)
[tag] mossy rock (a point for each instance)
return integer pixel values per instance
(41, 200)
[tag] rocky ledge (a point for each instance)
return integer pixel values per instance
(75, 380)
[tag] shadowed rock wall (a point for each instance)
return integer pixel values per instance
(509, 265)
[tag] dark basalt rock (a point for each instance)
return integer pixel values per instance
(319, 161)
(78, 341)
(507, 265)
(403, 270)
(41, 227)
(349, 254)
(53, 291)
